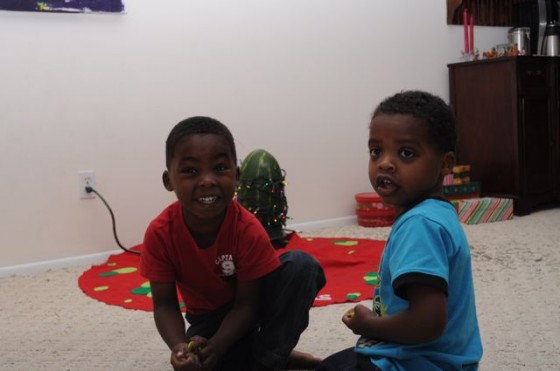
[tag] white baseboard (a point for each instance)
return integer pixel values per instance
(336, 222)
(43, 266)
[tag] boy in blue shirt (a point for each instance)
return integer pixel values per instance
(424, 315)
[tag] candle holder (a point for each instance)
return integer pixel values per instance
(469, 56)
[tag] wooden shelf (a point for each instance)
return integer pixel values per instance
(508, 127)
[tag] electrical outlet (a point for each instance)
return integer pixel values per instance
(86, 178)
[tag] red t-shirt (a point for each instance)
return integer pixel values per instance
(206, 278)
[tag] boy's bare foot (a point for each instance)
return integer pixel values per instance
(302, 361)
(296, 361)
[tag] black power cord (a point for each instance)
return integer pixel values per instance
(90, 189)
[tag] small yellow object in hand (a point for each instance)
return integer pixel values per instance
(350, 313)
(191, 347)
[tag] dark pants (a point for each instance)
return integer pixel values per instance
(346, 360)
(287, 294)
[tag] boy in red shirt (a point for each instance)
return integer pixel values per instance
(246, 306)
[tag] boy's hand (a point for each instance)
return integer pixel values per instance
(182, 359)
(209, 352)
(357, 319)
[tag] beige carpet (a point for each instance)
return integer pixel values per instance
(47, 323)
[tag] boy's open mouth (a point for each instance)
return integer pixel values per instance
(385, 186)
(207, 200)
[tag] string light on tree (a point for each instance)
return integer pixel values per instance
(261, 191)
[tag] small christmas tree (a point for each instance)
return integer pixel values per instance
(261, 191)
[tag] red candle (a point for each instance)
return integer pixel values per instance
(471, 34)
(465, 28)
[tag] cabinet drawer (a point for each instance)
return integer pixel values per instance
(534, 76)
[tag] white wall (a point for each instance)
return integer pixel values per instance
(101, 92)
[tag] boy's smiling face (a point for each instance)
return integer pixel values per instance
(203, 174)
(405, 166)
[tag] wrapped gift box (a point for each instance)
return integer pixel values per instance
(484, 210)
(461, 191)
(461, 174)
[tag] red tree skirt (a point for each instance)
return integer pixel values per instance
(350, 265)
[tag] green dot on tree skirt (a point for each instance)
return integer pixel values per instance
(125, 270)
(141, 291)
(345, 242)
(353, 295)
(372, 278)
(108, 274)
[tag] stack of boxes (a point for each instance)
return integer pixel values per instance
(371, 211)
(458, 188)
(458, 185)
(465, 195)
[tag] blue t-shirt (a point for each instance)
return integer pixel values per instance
(428, 240)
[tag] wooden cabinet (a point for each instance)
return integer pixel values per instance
(508, 127)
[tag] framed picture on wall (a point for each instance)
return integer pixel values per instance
(64, 6)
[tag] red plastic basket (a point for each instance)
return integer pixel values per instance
(371, 211)
(370, 201)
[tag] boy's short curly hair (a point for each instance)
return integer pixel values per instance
(197, 125)
(425, 106)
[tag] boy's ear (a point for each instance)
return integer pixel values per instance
(166, 181)
(237, 174)
(448, 163)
